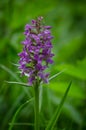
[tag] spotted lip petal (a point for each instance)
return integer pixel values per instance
(36, 54)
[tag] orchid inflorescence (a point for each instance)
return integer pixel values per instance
(36, 54)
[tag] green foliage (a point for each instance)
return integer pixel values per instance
(76, 92)
(16, 114)
(55, 117)
(69, 29)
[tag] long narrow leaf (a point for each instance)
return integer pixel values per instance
(29, 124)
(55, 117)
(14, 76)
(16, 113)
(19, 83)
(57, 74)
(14, 64)
(10, 72)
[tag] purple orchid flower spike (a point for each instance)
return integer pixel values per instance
(36, 55)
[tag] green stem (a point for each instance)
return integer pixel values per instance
(36, 107)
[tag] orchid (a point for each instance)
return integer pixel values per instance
(37, 52)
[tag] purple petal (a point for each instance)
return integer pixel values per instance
(49, 61)
(44, 77)
(27, 27)
(47, 27)
(33, 21)
(31, 80)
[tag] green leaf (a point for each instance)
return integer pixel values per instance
(12, 109)
(76, 90)
(10, 72)
(28, 124)
(68, 109)
(13, 75)
(16, 113)
(55, 117)
(19, 83)
(55, 75)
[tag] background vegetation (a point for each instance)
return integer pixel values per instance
(68, 19)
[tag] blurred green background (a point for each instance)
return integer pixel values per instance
(68, 19)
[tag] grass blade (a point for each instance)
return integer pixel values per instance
(10, 72)
(57, 74)
(28, 124)
(14, 64)
(16, 113)
(55, 117)
(19, 83)
(14, 76)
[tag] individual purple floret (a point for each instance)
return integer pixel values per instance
(36, 54)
